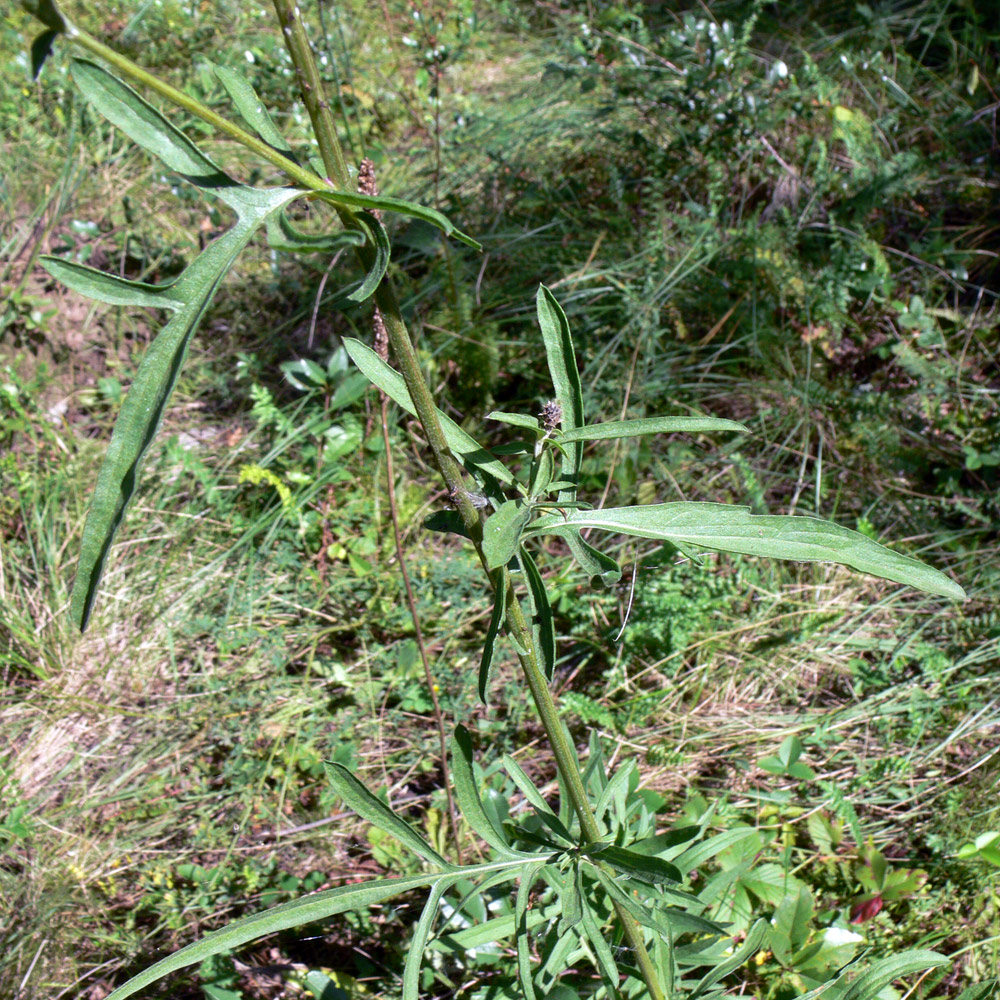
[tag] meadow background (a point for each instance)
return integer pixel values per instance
(780, 214)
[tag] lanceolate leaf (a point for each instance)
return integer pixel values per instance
(644, 867)
(251, 107)
(471, 453)
(110, 288)
(188, 296)
(496, 621)
(415, 952)
(565, 379)
(409, 208)
(380, 241)
(502, 532)
(541, 613)
(282, 235)
(751, 945)
(724, 528)
(887, 970)
(597, 565)
(650, 425)
(304, 910)
(376, 812)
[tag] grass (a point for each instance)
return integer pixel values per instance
(241, 642)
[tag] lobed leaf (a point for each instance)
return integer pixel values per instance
(725, 528)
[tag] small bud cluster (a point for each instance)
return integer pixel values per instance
(551, 415)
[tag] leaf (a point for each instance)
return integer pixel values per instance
(502, 532)
(887, 970)
(418, 943)
(380, 241)
(447, 521)
(469, 451)
(467, 795)
(792, 924)
(110, 288)
(565, 379)
(542, 628)
(541, 475)
(650, 425)
(282, 235)
(516, 420)
(605, 958)
(251, 107)
(751, 945)
(725, 528)
(408, 208)
(41, 49)
(189, 296)
(645, 867)
(361, 801)
(496, 621)
(306, 909)
(531, 793)
(521, 931)
(599, 567)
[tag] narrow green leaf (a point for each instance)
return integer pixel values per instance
(646, 868)
(144, 125)
(988, 989)
(380, 241)
(110, 288)
(605, 959)
(531, 793)
(887, 970)
(418, 943)
(751, 945)
(650, 425)
(41, 49)
(375, 811)
(48, 12)
(251, 107)
(599, 567)
(282, 235)
(469, 451)
(502, 531)
(616, 788)
(516, 420)
(569, 894)
(565, 379)
(541, 475)
(408, 208)
(496, 621)
(304, 910)
(542, 628)
(496, 929)
(695, 856)
(521, 932)
(448, 522)
(724, 528)
(467, 795)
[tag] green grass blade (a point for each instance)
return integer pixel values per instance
(360, 800)
(650, 425)
(542, 627)
(469, 451)
(496, 621)
(407, 208)
(251, 107)
(380, 241)
(887, 970)
(724, 528)
(418, 943)
(565, 379)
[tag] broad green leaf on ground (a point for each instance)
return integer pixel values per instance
(565, 379)
(650, 425)
(304, 910)
(409, 208)
(724, 528)
(188, 297)
(467, 449)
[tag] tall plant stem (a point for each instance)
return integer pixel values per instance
(402, 347)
